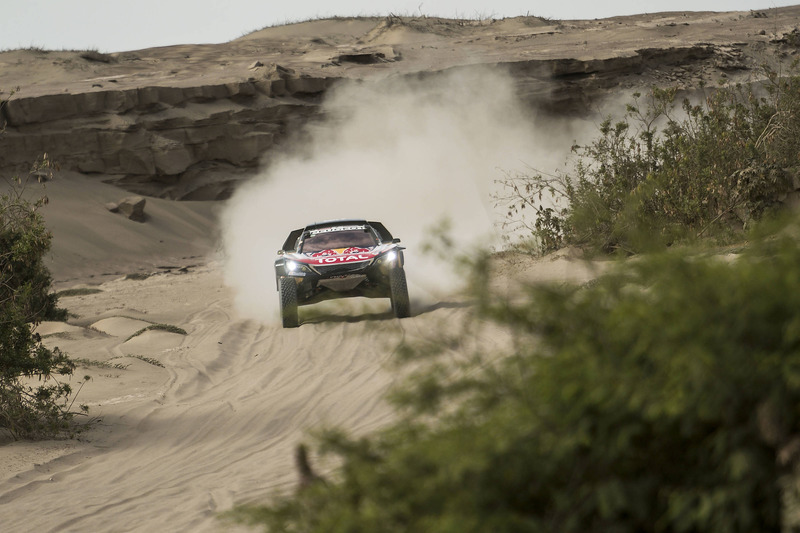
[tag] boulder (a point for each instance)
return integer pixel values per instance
(130, 206)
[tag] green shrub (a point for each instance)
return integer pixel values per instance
(670, 172)
(26, 410)
(664, 397)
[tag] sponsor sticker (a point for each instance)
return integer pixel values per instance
(356, 250)
(336, 228)
(334, 259)
(323, 253)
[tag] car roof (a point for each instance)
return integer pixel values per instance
(291, 241)
(334, 223)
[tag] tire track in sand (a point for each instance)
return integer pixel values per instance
(238, 397)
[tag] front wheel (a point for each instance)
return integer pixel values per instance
(399, 293)
(288, 294)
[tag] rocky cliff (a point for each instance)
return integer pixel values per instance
(189, 121)
(176, 142)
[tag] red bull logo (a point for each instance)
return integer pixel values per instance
(341, 255)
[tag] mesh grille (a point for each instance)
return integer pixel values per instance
(335, 270)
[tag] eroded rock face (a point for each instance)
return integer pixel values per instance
(156, 134)
(190, 122)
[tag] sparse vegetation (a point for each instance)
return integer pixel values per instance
(58, 335)
(37, 49)
(81, 291)
(148, 360)
(87, 363)
(162, 327)
(96, 56)
(29, 409)
(459, 19)
(662, 397)
(669, 172)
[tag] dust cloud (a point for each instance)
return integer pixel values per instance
(407, 152)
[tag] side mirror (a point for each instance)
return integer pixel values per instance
(395, 240)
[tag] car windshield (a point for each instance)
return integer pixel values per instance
(330, 240)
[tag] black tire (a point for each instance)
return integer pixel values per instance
(289, 303)
(399, 293)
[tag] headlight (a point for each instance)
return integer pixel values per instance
(387, 258)
(293, 267)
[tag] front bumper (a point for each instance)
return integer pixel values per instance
(316, 283)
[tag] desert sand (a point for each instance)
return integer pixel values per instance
(187, 426)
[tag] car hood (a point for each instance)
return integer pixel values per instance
(341, 255)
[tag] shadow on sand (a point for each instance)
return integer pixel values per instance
(352, 316)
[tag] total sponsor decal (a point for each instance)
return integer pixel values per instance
(333, 259)
(340, 255)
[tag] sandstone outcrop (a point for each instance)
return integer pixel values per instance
(189, 122)
(156, 135)
(131, 206)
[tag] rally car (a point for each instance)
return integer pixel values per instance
(340, 259)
